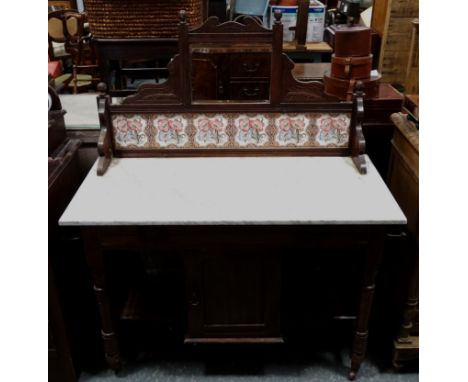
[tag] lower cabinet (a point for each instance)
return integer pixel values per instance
(233, 297)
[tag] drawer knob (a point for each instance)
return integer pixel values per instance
(251, 67)
(253, 93)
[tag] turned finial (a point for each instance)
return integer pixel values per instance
(359, 88)
(182, 16)
(101, 87)
(278, 14)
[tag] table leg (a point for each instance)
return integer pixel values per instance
(95, 260)
(373, 257)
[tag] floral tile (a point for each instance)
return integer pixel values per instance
(291, 130)
(130, 131)
(251, 130)
(333, 130)
(231, 130)
(171, 130)
(211, 130)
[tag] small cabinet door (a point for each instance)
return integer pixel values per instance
(233, 296)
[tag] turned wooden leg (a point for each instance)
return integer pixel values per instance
(373, 257)
(96, 262)
(411, 306)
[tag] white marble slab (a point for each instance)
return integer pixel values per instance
(249, 190)
(81, 110)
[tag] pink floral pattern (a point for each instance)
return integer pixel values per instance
(211, 130)
(291, 130)
(130, 131)
(230, 130)
(251, 130)
(333, 130)
(171, 130)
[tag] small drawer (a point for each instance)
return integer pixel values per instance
(250, 65)
(244, 90)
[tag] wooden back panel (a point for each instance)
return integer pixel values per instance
(298, 118)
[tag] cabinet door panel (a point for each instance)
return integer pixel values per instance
(233, 294)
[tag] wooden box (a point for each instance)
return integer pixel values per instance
(349, 40)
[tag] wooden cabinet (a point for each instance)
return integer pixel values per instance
(403, 181)
(63, 182)
(392, 20)
(233, 297)
(234, 76)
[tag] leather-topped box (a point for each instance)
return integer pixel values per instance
(354, 40)
(351, 67)
(343, 88)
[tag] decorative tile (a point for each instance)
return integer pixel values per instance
(171, 130)
(231, 130)
(333, 130)
(130, 131)
(210, 130)
(251, 130)
(291, 130)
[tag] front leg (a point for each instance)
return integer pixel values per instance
(95, 260)
(373, 256)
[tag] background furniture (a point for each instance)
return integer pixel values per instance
(73, 331)
(68, 27)
(135, 41)
(403, 181)
(63, 182)
(412, 70)
(116, 55)
(392, 20)
(62, 4)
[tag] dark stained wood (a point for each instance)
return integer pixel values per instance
(63, 181)
(403, 181)
(232, 274)
(373, 257)
(113, 53)
(287, 94)
(358, 143)
(56, 122)
(300, 34)
(104, 145)
(233, 293)
(95, 260)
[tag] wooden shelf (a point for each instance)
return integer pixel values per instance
(147, 303)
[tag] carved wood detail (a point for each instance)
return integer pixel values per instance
(287, 95)
(356, 140)
(166, 93)
(104, 144)
(295, 91)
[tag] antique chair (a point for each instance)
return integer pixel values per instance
(67, 27)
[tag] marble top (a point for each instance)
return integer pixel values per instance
(81, 110)
(237, 190)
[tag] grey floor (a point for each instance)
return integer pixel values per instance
(325, 367)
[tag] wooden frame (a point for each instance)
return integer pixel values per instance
(288, 96)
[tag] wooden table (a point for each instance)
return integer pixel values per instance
(231, 220)
(120, 50)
